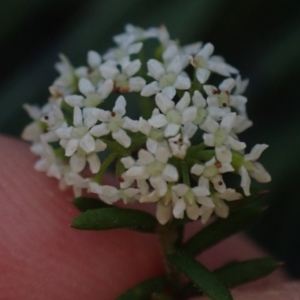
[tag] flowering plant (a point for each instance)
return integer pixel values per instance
(181, 153)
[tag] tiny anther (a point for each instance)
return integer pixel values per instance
(90, 71)
(113, 114)
(46, 117)
(224, 105)
(180, 140)
(218, 165)
(227, 93)
(220, 183)
(121, 179)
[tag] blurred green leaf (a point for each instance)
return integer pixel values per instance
(145, 289)
(113, 217)
(84, 203)
(200, 276)
(221, 229)
(237, 273)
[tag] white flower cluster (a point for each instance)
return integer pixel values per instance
(158, 159)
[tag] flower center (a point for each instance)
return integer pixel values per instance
(92, 100)
(115, 122)
(156, 134)
(155, 168)
(79, 132)
(210, 171)
(167, 80)
(224, 99)
(200, 62)
(219, 136)
(201, 114)
(174, 117)
(189, 197)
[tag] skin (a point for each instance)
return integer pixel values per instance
(42, 257)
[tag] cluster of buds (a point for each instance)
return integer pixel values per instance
(175, 154)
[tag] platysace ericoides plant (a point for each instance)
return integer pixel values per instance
(174, 155)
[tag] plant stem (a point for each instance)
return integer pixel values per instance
(107, 162)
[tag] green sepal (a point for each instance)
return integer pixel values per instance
(221, 229)
(114, 217)
(202, 278)
(145, 289)
(84, 203)
(237, 273)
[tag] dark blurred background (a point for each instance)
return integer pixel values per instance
(259, 37)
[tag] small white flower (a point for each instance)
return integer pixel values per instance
(173, 116)
(115, 123)
(220, 207)
(93, 97)
(124, 80)
(219, 134)
(253, 168)
(155, 168)
(200, 103)
(187, 199)
(168, 79)
(212, 169)
(76, 136)
(205, 64)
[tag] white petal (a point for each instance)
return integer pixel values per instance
(197, 169)
(180, 189)
(206, 51)
(210, 125)
(77, 117)
(155, 69)
(152, 145)
(135, 48)
(144, 126)
(184, 102)
(227, 122)
(85, 86)
(230, 195)
(145, 157)
(164, 103)
(179, 208)
(71, 147)
(222, 211)
(234, 144)
(218, 183)
(218, 67)
(189, 129)
(87, 143)
(256, 152)
(94, 59)
(163, 212)
(122, 137)
(136, 172)
(206, 201)
(202, 75)
(182, 82)
(159, 185)
(132, 68)
(198, 99)
(103, 115)
(100, 130)
(227, 84)
(171, 130)
(189, 114)
(77, 163)
(120, 106)
(259, 173)
(175, 66)
(150, 89)
(108, 71)
(136, 84)
(209, 139)
(105, 89)
(170, 173)
(169, 91)
(205, 213)
(130, 125)
(74, 100)
(99, 145)
(94, 163)
(162, 154)
(203, 181)
(152, 197)
(200, 191)
(158, 121)
(193, 211)
(246, 181)
(223, 154)
(128, 162)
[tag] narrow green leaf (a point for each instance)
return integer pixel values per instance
(221, 229)
(200, 276)
(145, 289)
(161, 296)
(237, 273)
(84, 203)
(113, 217)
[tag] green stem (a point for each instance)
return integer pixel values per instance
(106, 163)
(146, 105)
(185, 174)
(196, 85)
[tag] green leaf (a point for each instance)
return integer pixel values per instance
(237, 273)
(145, 289)
(113, 217)
(221, 229)
(84, 203)
(200, 276)
(160, 296)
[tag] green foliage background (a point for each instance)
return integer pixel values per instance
(260, 38)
